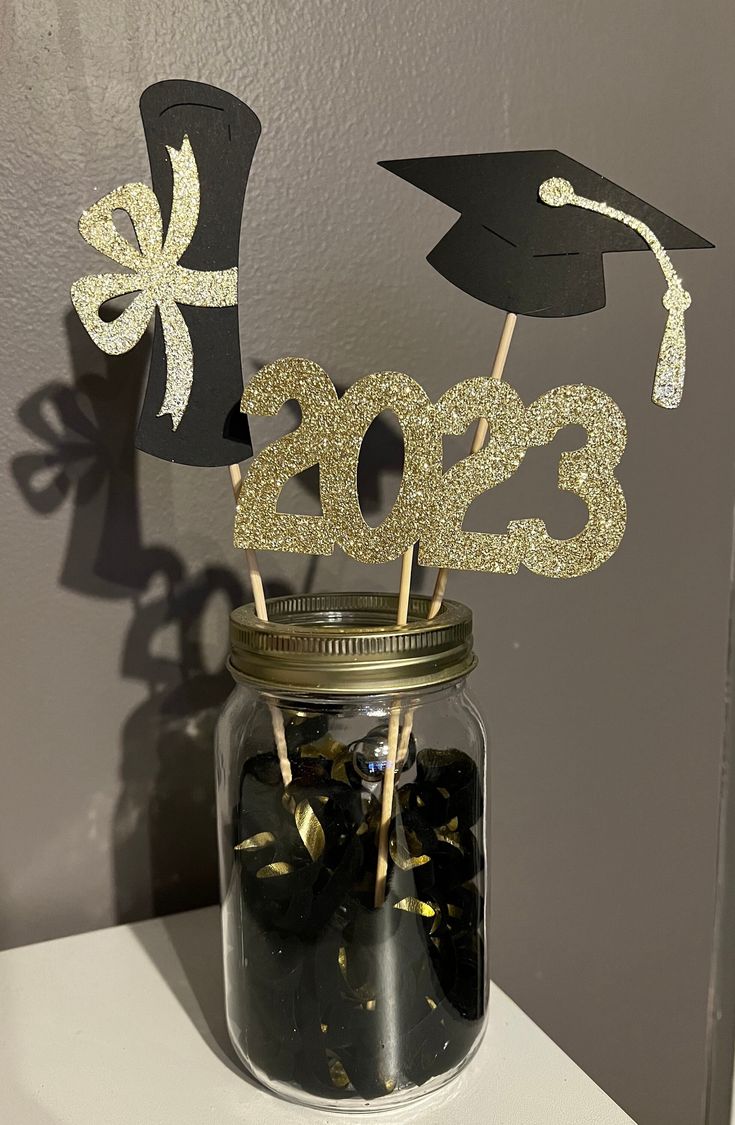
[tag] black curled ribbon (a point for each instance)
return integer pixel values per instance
(353, 1000)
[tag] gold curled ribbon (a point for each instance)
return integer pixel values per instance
(404, 858)
(337, 1073)
(271, 870)
(335, 752)
(415, 906)
(668, 383)
(445, 836)
(310, 830)
(325, 747)
(260, 840)
(363, 992)
(157, 278)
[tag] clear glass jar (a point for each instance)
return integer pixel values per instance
(351, 778)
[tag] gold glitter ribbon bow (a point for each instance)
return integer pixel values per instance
(668, 384)
(157, 277)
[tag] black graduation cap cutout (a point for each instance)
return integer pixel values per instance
(201, 143)
(530, 255)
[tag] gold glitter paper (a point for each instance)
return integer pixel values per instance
(668, 384)
(310, 830)
(257, 523)
(330, 434)
(431, 504)
(588, 472)
(403, 526)
(157, 277)
(444, 543)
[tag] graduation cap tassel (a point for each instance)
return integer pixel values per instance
(261, 609)
(668, 382)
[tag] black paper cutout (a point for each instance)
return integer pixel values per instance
(223, 133)
(512, 251)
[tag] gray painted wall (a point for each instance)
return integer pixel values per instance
(604, 695)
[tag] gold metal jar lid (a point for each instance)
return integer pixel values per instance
(349, 644)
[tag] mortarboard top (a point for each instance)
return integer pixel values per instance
(509, 249)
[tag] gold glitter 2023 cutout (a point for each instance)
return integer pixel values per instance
(431, 503)
(157, 277)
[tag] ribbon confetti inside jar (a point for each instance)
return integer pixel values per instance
(341, 994)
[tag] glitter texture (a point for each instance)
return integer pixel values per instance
(422, 440)
(513, 428)
(668, 385)
(330, 434)
(588, 472)
(157, 277)
(431, 505)
(257, 523)
(444, 543)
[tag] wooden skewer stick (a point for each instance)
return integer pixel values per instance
(399, 737)
(256, 578)
(261, 609)
(394, 726)
(478, 441)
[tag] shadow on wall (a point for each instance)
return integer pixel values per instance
(164, 840)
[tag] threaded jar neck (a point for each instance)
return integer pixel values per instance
(349, 644)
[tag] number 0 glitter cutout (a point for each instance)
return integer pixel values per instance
(431, 504)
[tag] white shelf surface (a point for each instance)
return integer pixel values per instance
(125, 1026)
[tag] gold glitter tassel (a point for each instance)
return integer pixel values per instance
(668, 383)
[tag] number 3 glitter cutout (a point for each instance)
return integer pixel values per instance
(431, 504)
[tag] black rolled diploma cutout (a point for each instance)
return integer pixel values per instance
(223, 133)
(338, 998)
(511, 250)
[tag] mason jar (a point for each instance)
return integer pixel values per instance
(351, 789)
